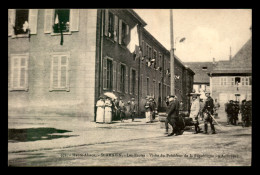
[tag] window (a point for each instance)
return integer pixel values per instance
(19, 71)
(204, 68)
(237, 80)
(133, 82)
(22, 22)
(141, 84)
(60, 72)
(245, 81)
(62, 21)
(232, 81)
(147, 86)
(223, 81)
(109, 74)
(111, 25)
(122, 78)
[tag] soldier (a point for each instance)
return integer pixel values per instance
(208, 110)
(245, 114)
(172, 113)
(235, 112)
(132, 109)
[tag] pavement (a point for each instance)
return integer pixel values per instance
(231, 146)
(82, 132)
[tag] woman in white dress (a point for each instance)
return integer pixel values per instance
(100, 110)
(148, 109)
(108, 110)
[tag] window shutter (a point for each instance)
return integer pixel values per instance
(11, 21)
(26, 74)
(63, 73)
(55, 72)
(49, 20)
(118, 77)
(22, 72)
(104, 73)
(33, 16)
(106, 22)
(114, 75)
(126, 79)
(130, 83)
(67, 75)
(120, 32)
(115, 28)
(74, 20)
(136, 83)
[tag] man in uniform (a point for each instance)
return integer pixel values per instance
(172, 113)
(194, 112)
(208, 109)
(132, 109)
(235, 112)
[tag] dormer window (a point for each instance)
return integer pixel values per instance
(204, 68)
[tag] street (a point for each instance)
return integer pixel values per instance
(140, 144)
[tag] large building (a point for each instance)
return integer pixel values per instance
(61, 61)
(232, 79)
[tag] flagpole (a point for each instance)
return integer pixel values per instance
(172, 55)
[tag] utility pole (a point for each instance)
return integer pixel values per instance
(172, 55)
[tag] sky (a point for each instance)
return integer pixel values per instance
(208, 32)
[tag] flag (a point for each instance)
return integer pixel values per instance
(134, 40)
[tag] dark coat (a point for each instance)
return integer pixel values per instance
(209, 105)
(172, 110)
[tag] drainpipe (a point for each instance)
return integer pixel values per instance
(100, 71)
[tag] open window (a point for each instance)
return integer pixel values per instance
(62, 21)
(22, 22)
(237, 80)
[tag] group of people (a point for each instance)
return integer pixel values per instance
(109, 109)
(178, 122)
(232, 108)
(150, 109)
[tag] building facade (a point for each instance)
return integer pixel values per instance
(232, 80)
(61, 60)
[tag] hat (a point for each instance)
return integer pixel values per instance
(120, 98)
(207, 92)
(132, 98)
(171, 96)
(150, 99)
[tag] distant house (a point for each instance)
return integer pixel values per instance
(232, 79)
(201, 78)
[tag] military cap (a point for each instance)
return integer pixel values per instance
(171, 96)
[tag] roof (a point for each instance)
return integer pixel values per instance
(132, 12)
(201, 76)
(239, 64)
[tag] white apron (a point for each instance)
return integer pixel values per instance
(148, 116)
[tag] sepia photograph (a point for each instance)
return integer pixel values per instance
(121, 87)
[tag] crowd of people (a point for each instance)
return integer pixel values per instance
(233, 108)
(109, 109)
